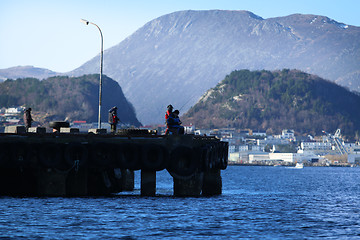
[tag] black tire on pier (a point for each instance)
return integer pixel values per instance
(76, 152)
(51, 155)
(59, 124)
(210, 157)
(21, 154)
(184, 163)
(5, 156)
(224, 155)
(103, 155)
(129, 156)
(154, 157)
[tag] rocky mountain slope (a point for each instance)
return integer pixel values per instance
(277, 100)
(60, 98)
(177, 57)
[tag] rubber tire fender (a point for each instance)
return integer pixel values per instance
(51, 155)
(154, 157)
(224, 155)
(183, 162)
(103, 155)
(76, 151)
(5, 156)
(59, 124)
(129, 156)
(20, 154)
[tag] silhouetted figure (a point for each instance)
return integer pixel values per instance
(113, 119)
(27, 118)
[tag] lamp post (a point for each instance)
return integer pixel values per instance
(101, 67)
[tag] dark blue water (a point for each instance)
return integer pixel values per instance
(257, 203)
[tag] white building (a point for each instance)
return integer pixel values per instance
(14, 111)
(286, 157)
(288, 134)
(354, 158)
(243, 148)
(259, 134)
(258, 157)
(232, 148)
(318, 146)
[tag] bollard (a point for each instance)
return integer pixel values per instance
(69, 130)
(190, 187)
(212, 184)
(40, 130)
(97, 130)
(148, 183)
(15, 129)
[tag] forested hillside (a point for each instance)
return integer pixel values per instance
(62, 97)
(277, 100)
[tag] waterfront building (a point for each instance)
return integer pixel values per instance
(319, 146)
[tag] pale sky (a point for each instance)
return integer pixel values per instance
(49, 34)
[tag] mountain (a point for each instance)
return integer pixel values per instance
(61, 97)
(277, 100)
(26, 71)
(175, 58)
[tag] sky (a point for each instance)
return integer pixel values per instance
(49, 34)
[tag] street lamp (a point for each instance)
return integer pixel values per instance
(101, 67)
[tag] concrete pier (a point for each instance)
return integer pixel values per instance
(148, 183)
(212, 183)
(51, 183)
(76, 183)
(189, 187)
(68, 163)
(128, 180)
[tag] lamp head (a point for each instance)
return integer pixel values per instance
(84, 21)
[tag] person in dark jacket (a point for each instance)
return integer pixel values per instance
(27, 118)
(174, 124)
(113, 119)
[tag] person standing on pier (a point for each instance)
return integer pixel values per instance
(168, 113)
(27, 118)
(113, 119)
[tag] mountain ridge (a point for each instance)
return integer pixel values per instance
(276, 100)
(62, 97)
(177, 57)
(182, 54)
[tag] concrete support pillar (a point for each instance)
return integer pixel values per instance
(51, 183)
(212, 183)
(76, 183)
(148, 183)
(127, 181)
(188, 187)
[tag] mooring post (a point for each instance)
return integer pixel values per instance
(148, 183)
(212, 183)
(188, 187)
(127, 181)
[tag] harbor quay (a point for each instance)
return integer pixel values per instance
(71, 164)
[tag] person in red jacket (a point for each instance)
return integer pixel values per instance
(167, 115)
(113, 119)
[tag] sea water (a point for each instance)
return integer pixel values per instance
(257, 203)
